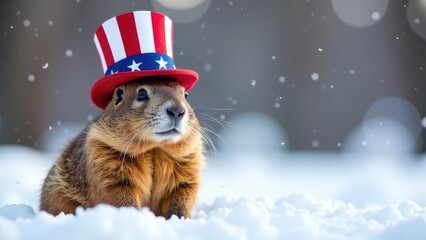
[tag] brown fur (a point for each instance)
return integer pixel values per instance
(117, 161)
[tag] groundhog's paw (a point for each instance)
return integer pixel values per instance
(178, 212)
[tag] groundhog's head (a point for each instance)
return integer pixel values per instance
(147, 113)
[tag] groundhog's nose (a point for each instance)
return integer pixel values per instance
(175, 112)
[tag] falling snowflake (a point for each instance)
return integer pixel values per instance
(277, 105)
(31, 78)
(208, 67)
(68, 53)
(27, 23)
(375, 16)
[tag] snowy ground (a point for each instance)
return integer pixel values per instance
(252, 189)
(305, 196)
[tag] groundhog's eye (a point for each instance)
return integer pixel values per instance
(142, 95)
(186, 95)
(119, 94)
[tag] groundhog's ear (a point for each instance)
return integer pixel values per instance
(118, 96)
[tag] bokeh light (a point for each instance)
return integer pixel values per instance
(381, 136)
(390, 125)
(182, 11)
(57, 136)
(416, 16)
(180, 4)
(399, 110)
(253, 132)
(360, 13)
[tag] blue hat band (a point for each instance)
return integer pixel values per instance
(141, 62)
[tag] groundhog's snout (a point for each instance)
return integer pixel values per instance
(176, 113)
(170, 121)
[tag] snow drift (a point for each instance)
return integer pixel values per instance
(247, 199)
(252, 189)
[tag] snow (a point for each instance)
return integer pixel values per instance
(416, 20)
(68, 53)
(208, 67)
(16, 211)
(244, 196)
(31, 78)
(252, 189)
(277, 105)
(27, 23)
(375, 16)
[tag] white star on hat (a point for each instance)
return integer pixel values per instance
(134, 66)
(112, 72)
(162, 63)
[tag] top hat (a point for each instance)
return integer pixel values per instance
(134, 45)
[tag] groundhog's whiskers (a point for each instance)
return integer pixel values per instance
(224, 124)
(205, 133)
(208, 140)
(208, 131)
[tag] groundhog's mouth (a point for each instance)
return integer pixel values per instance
(172, 131)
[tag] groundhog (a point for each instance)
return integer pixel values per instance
(144, 150)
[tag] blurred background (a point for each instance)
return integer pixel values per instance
(327, 75)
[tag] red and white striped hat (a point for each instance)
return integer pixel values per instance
(132, 46)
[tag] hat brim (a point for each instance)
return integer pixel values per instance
(103, 89)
